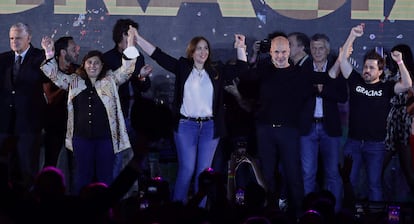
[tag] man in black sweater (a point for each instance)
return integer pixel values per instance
(283, 89)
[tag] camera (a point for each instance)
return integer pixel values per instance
(265, 46)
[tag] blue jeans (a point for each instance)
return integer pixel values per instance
(195, 145)
(319, 145)
(93, 158)
(281, 144)
(369, 154)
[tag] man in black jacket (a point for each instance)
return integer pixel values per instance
(321, 129)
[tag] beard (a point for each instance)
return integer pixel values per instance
(368, 78)
(70, 59)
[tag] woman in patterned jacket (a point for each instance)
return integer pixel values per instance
(95, 129)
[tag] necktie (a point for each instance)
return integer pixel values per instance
(16, 67)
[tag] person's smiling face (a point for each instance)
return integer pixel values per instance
(93, 66)
(201, 52)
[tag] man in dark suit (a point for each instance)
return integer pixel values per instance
(321, 129)
(22, 105)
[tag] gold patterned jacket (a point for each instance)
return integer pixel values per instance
(107, 89)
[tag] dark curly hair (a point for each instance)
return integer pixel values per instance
(121, 28)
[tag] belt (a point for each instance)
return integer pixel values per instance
(318, 119)
(196, 119)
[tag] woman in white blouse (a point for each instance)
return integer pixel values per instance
(197, 105)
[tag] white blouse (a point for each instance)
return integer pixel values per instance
(198, 95)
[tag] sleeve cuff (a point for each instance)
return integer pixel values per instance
(131, 52)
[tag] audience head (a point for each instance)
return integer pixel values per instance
(320, 204)
(257, 220)
(319, 47)
(94, 197)
(207, 179)
(93, 190)
(67, 49)
(279, 217)
(92, 66)
(212, 184)
(120, 32)
(20, 36)
(311, 217)
(49, 183)
(157, 192)
(198, 51)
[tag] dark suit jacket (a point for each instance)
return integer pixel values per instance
(22, 104)
(217, 73)
(334, 91)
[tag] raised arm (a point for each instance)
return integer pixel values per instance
(405, 82)
(48, 46)
(146, 46)
(335, 69)
(51, 94)
(124, 72)
(50, 67)
(346, 67)
(240, 45)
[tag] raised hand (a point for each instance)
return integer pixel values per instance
(232, 88)
(132, 36)
(240, 44)
(239, 41)
(145, 71)
(358, 30)
(49, 46)
(131, 51)
(47, 43)
(256, 46)
(397, 56)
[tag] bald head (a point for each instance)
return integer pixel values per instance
(280, 51)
